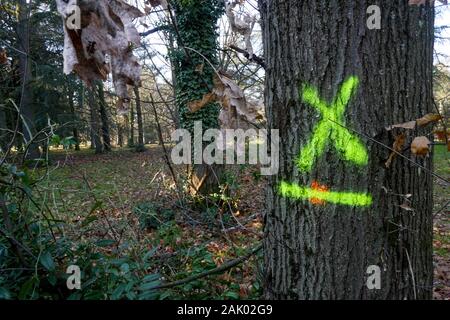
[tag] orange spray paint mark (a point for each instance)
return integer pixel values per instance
(321, 188)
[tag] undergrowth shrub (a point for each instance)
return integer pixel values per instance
(36, 250)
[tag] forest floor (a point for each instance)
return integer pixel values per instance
(125, 194)
(120, 193)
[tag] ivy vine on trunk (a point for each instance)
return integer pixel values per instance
(195, 29)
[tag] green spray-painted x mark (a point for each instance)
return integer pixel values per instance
(331, 127)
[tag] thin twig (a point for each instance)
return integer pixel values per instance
(412, 274)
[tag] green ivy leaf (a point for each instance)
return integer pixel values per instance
(47, 261)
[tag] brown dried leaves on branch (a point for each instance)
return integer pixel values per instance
(243, 26)
(398, 145)
(427, 119)
(236, 111)
(156, 3)
(99, 36)
(420, 146)
(422, 122)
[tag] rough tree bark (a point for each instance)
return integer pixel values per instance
(323, 250)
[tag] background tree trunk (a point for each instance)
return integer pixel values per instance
(81, 104)
(140, 147)
(75, 123)
(104, 118)
(194, 77)
(171, 46)
(120, 135)
(131, 131)
(26, 97)
(322, 251)
(4, 134)
(95, 123)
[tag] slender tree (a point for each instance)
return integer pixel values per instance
(96, 140)
(81, 107)
(140, 146)
(3, 133)
(26, 97)
(120, 132)
(131, 127)
(104, 118)
(71, 97)
(335, 211)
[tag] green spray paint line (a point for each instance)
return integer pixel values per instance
(292, 190)
(332, 127)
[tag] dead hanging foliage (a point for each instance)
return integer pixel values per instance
(398, 145)
(420, 145)
(157, 3)
(236, 111)
(241, 25)
(421, 122)
(98, 39)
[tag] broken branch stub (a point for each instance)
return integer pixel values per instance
(98, 39)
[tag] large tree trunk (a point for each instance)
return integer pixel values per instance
(140, 144)
(320, 250)
(26, 98)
